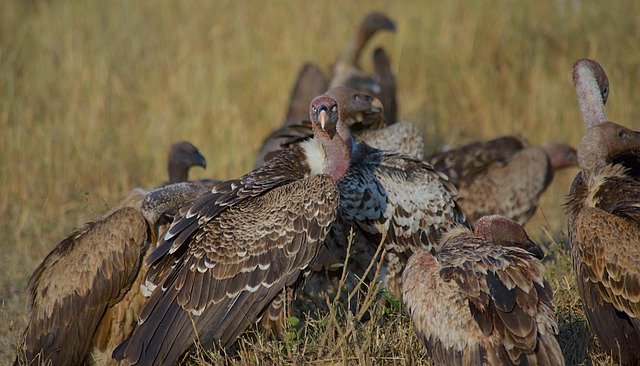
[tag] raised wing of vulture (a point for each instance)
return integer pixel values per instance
(230, 256)
(482, 299)
(85, 295)
(387, 80)
(359, 111)
(182, 156)
(604, 220)
(502, 176)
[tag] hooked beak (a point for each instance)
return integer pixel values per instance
(322, 117)
(201, 161)
(534, 249)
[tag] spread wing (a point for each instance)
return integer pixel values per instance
(406, 198)
(226, 265)
(468, 162)
(78, 281)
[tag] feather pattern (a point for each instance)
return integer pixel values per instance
(478, 303)
(225, 262)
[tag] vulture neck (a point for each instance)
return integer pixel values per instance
(177, 172)
(590, 97)
(337, 153)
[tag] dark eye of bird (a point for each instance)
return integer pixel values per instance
(622, 134)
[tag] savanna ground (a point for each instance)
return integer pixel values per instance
(92, 93)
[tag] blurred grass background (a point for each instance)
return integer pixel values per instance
(92, 93)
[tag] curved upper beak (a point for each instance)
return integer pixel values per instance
(322, 117)
(201, 161)
(534, 249)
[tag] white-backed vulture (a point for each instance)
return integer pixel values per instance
(181, 157)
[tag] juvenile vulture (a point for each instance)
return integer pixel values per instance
(85, 296)
(482, 299)
(359, 111)
(604, 220)
(229, 257)
(503, 176)
(182, 156)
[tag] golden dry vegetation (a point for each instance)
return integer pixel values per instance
(92, 93)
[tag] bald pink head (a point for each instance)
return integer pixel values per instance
(592, 88)
(561, 155)
(506, 232)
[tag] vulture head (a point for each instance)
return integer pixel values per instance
(182, 156)
(324, 116)
(561, 155)
(592, 88)
(604, 140)
(358, 110)
(506, 232)
(333, 134)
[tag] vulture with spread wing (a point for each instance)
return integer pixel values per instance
(482, 298)
(604, 220)
(384, 194)
(85, 295)
(503, 176)
(227, 259)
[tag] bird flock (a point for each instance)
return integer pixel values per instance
(203, 261)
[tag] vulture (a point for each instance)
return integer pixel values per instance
(481, 299)
(604, 220)
(359, 111)
(182, 156)
(502, 176)
(229, 259)
(85, 295)
(384, 194)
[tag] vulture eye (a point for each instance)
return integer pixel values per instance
(314, 109)
(622, 134)
(334, 108)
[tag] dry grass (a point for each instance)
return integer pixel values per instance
(93, 93)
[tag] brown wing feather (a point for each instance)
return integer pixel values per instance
(501, 304)
(604, 231)
(509, 189)
(231, 267)
(85, 274)
(464, 164)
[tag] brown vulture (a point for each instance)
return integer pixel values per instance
(604, 219)
(481, 299)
